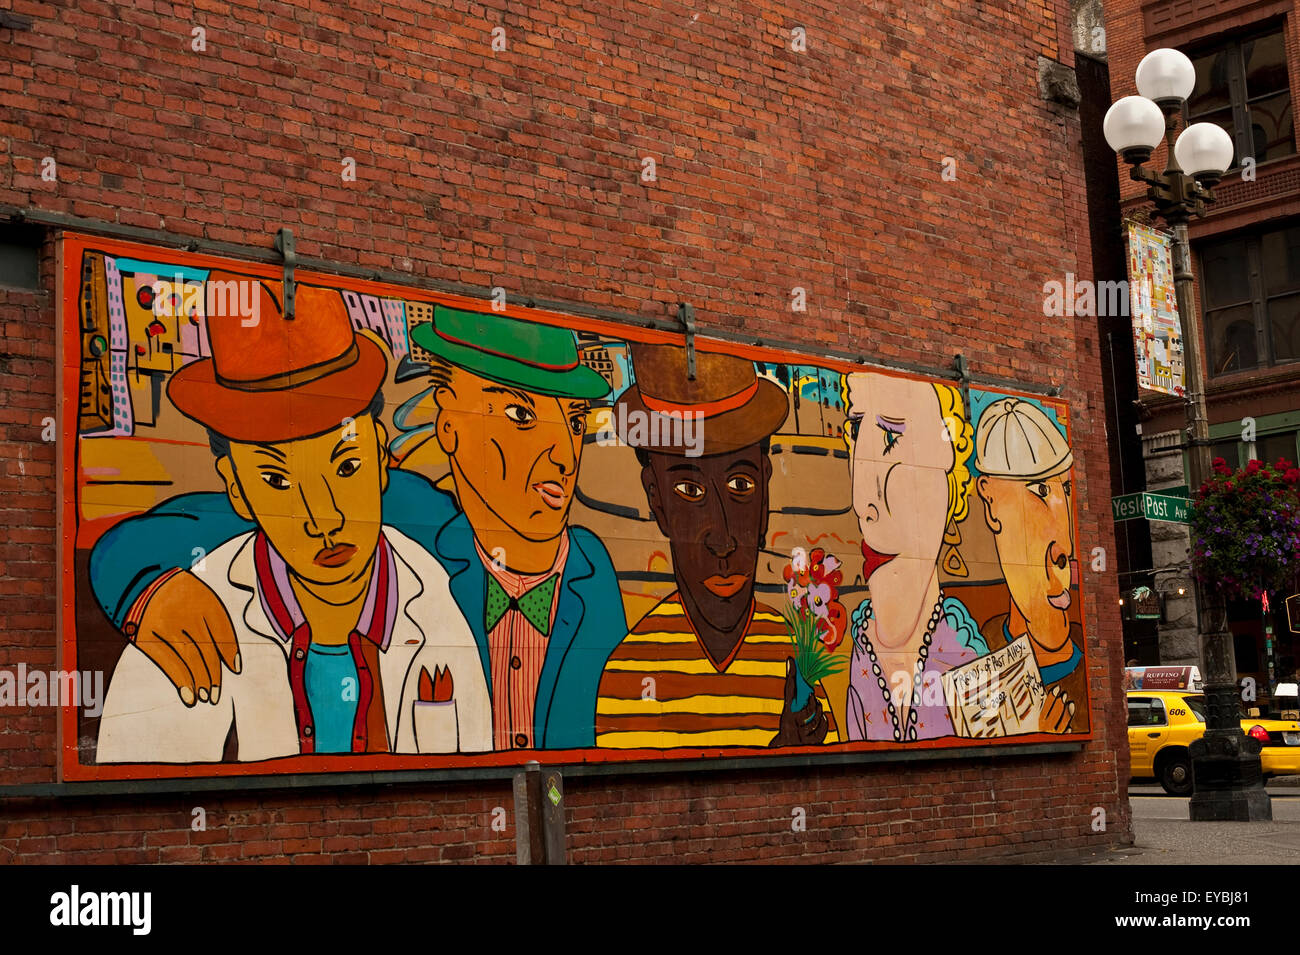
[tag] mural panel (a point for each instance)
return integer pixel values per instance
(399, 529)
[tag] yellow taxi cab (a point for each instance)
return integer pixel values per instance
(1161, 724)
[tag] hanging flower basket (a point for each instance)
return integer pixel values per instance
(1245, 528)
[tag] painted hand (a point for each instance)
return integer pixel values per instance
(1056, 713)
(187, 633)
(805, 727)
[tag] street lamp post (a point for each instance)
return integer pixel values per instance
(1227, 781)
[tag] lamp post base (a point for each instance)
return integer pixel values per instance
(1229, 785)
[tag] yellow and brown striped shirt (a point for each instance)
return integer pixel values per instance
(691, 702)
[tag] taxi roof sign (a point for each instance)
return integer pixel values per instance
(1163, 678)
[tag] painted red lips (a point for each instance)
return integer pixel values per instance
(334, 556)
(552, 493)
(726, 586)
(872, 560)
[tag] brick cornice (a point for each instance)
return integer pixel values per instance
(1178, 22)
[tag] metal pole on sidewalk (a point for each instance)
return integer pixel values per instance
(1226, 777)
(1226, 773)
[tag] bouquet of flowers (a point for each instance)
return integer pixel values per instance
(814, 616)
(1246, 528)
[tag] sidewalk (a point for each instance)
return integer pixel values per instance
(1164, 835)
(1180, 842)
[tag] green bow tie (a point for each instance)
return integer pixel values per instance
(534, 604)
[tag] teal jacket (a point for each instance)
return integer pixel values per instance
(589, 621)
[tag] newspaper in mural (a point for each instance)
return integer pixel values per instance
(1157, 337)
(400, 529)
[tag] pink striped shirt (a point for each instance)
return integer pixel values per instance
(516, 650)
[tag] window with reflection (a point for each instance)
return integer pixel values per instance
(1274, 447)
(1242, 85)
(1229, 451)
(1251, 288)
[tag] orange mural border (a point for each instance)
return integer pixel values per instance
(70, 247)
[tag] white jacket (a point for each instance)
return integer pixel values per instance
(145, 721)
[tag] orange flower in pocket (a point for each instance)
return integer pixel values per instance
(436, 689)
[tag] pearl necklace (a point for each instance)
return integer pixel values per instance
(865, 643)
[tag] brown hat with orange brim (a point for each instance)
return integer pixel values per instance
(733, 406)
(277, 379)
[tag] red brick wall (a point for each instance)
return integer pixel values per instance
(521, 168)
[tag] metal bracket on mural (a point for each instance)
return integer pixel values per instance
(963, 374)
(686, 315)
(284, 245)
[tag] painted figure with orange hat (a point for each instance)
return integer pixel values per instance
(538, 595)
(720, 663)
(345, 637)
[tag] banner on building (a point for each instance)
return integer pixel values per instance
(1157, 336)
(401, 529)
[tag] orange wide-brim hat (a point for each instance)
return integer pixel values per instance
(280, 379)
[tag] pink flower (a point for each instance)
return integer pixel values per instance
(819, 599)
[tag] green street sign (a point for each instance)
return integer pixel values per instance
(1151, 507)
(1127, 507)
(1162, 507)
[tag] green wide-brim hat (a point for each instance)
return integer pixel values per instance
(542, 359)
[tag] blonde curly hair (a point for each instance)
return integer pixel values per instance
(957, 421)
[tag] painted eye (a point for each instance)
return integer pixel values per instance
(740, 484)
(521, 414)
(349, 467)
(852, 427)
(1067, 487)
(689, 491)
(276, 480)
(891, 439)
(578, 424)
(1039, 489)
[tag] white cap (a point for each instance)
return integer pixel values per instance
(1017, 439)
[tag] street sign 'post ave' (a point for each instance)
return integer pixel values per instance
(1161, 507)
